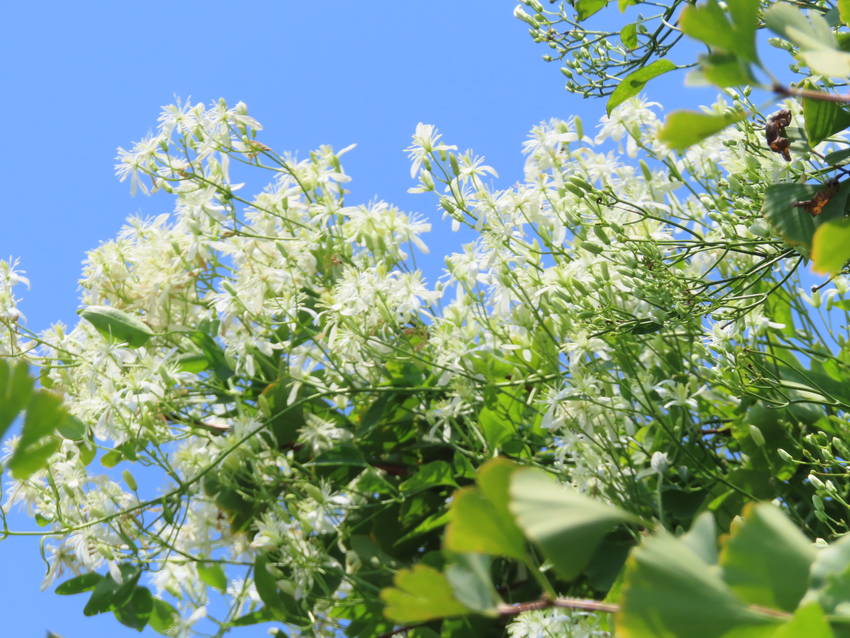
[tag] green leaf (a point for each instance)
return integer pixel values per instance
(213, 575)
(79, 584)
(213, 353)
(72, 428)
(38, 442)
(726, 69)
(670, 592)
(793, 223)
(831, 246)
(102, 597)
(111, 458)
(136, 611)
(813, 35)
(265, 583)
(281, 604)
(829, 578)
(476, 526)
(634, 82)
(628, 36)
(686, 128)
(586, 8)
(499, 419)
(118, 325)
(261, 615)
(844, 11)
(420, 594)
(469, 576)
(702, 538)
(766, 560)
(163, 617)
(15, 391)
(430, 475)
(808, 621)
(565, 524)
(710, 24)
(837, 156)
(823, 119)
(193, 362)
(494, 481)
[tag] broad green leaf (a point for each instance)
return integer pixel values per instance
(281, 604)
(433, 521)
(37, 442)
(111, 458)
(476, 526)
(686, 128)
(193, 362)
(214, 354)
(837, 156)
(430, 475)
(823, 119)
(710, 24)
(702, 538)
(213, 575)
(72, 428)
(829, 578)
(566, 525)
(766, 560)
(469, 576)
(831, 246)
(261, 615)
(499, 419)
(809, 621)
(827, 61)
(844, 11)
(163, 617)
(15, 391)
(628, 36)
(587, 8)
(726, 69)
(634, 82)
(265, 583)
(118, 325)
(102, 597)
(136, 611)
(788, 21)
(79, 584)
(794, 223)
(420, 594)
(814, 37)
(494, 481)
(669, 592)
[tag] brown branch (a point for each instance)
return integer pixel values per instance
(401, 630)
(569, 603)
(792, 91)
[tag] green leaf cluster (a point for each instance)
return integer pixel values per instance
(45, 423)
(764, 578)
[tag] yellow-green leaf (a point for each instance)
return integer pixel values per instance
(686, 128)
(633, 83)
(831, 246)
(566, 525)
(420, 594)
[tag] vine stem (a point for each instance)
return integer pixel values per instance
(781, 89)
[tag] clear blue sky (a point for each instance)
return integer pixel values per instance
(81, 78)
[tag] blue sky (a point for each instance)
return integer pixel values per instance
(81, 79)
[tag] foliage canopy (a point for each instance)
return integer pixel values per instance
(575, 430)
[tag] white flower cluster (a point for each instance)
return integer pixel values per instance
(582, 305)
